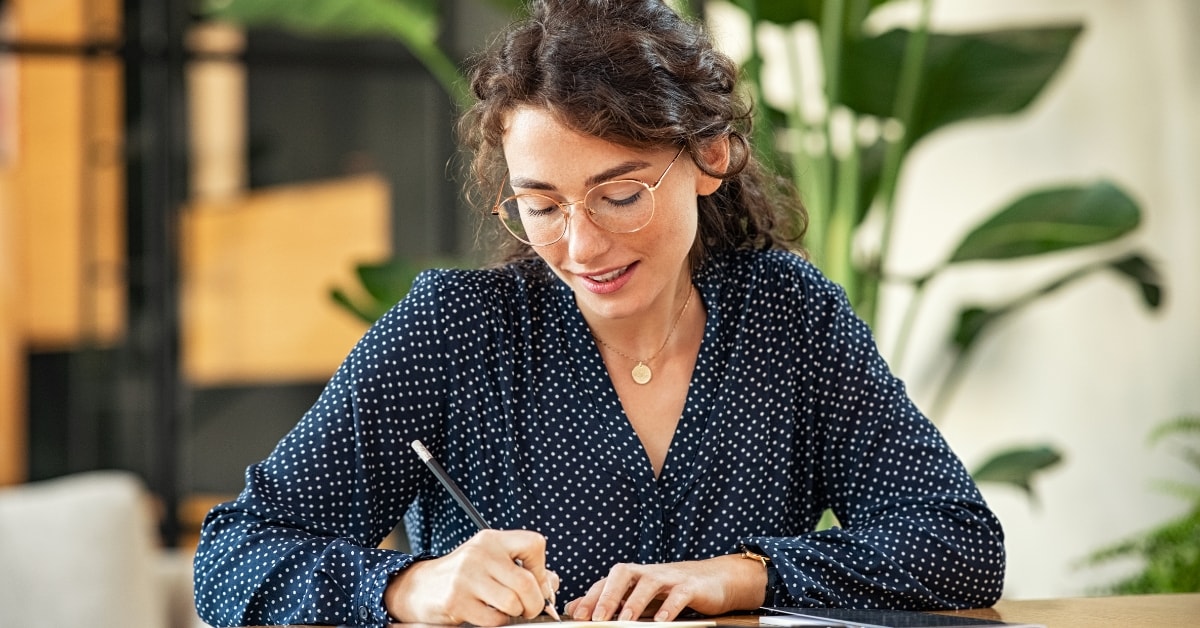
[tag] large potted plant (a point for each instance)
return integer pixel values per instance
(844, 138)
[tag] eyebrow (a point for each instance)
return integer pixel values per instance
(615, 172)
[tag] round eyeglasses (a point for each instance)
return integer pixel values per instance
(620, 206)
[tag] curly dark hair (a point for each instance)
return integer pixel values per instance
(635, 73)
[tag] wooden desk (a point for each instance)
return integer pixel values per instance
(1148, 611)
(1132, 611)
(1135, 611)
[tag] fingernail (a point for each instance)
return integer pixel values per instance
(661, 616)
(626, 615)
(600, 614)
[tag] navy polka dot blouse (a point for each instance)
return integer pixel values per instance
(791, 411)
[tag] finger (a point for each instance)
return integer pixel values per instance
(480, 614)
(670, 608)
(515, 591)
(518, 566)
(552, 584)
(581, 608)
(619, 579)
(642, 593)
(528, 549)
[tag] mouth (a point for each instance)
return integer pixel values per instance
(609, 276)
(609, 281)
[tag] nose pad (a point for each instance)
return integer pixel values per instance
(572, 205)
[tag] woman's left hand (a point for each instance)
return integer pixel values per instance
(711, 587)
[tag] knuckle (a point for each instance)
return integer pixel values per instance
(622, 569)
(607, 595)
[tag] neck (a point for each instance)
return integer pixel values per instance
(647, 337)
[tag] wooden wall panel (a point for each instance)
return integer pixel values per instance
(61, 198)
(257, 273)
(102, 319)
(69, 200)
(12, 355)
(66, 21)
(216, 92)
(48, 195)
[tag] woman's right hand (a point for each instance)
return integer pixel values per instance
(480, 582)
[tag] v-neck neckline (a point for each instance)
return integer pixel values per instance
(628, 457)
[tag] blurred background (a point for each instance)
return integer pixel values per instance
(202, 205)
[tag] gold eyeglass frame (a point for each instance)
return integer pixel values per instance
(500, 200)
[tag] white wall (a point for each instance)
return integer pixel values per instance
(1088, 369)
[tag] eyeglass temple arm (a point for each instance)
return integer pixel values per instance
(499, 195)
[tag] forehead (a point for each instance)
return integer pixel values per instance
(537, 145)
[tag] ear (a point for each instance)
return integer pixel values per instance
(715, 156)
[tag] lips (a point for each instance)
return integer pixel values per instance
(609, 276)
(607, 282)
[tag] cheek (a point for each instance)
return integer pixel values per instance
(680, 221)
(550, 254)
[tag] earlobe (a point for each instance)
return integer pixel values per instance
(716, 157)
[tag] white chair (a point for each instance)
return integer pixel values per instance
(82, 550)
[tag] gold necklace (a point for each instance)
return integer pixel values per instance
(641, 372)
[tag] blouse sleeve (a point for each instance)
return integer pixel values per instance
(300, 543)
(915, 532)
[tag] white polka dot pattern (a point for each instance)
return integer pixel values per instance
(791, 410)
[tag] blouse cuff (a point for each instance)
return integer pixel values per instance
(369, 608)
(776, 590)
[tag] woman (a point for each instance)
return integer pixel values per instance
(652, 398)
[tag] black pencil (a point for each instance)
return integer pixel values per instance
(448, 482)
(466, 504)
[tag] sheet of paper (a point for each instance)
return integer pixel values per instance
(617, 624)
(791, 620)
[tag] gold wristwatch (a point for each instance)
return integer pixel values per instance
(755, 556)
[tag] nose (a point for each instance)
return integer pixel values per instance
(585, 240)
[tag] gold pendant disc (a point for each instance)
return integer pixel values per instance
(641, 373)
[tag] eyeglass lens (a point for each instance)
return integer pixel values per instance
(616, 206)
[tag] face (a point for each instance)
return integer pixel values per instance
(613, 275)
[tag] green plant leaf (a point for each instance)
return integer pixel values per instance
(786, 12)
(870, 168)
(1138, 269)
(1181, 425)
(415, 23)
(964, 77)
(1018, 466)
(367, 316)
(384, 285)
(1052, 220)
(1170, 552)
(389, 281)
(782, 11)
(1170, 557)
(974, 320)
(411, 20)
